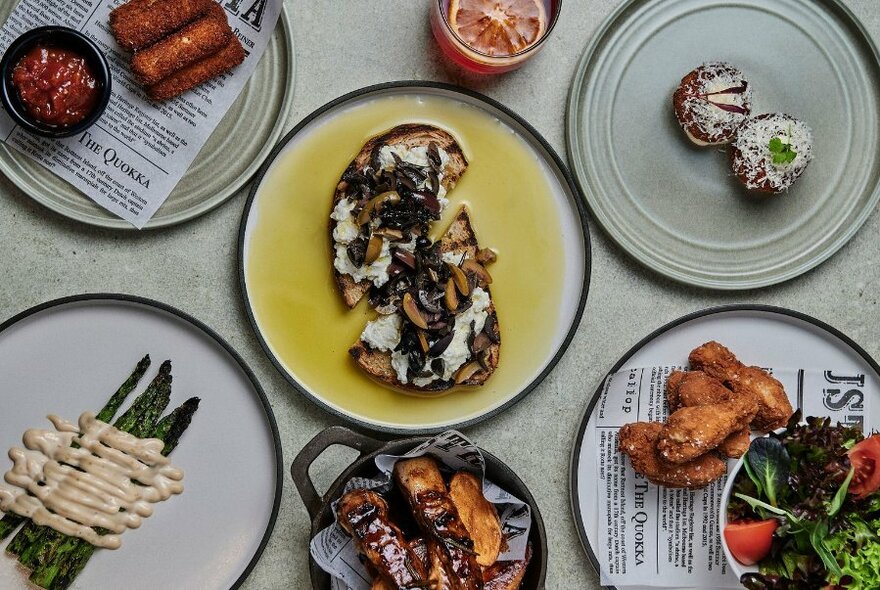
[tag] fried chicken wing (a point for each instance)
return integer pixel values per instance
(774, 408)
(694, 431)
(696, 388)
(736, 445)
(639, 441)
(685, 389)
(673, 385)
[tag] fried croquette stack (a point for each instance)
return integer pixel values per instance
(177, 44)
(713, 409)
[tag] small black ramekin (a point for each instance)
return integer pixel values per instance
(63, 38)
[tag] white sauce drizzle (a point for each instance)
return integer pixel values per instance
(111, 481)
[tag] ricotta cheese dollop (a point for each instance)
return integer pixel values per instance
(383, 333)
(345, 232)
(347, 229)
(470, 321)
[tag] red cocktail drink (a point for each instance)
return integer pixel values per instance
(492, 36)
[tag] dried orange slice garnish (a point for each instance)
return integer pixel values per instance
(498, 27)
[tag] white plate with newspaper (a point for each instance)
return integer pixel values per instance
(638, 535)
(227, 161)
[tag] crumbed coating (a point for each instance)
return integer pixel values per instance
(639, 442)
(673, 383)
(736, 445)
(752, 160)
(199, 72)
(194, 42)
(695, 388)
(774, 408)
(140, 23)
(694, 431)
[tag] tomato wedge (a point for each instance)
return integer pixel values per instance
(865, 459)
(749, 540)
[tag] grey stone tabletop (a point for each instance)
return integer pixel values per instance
(344, 45)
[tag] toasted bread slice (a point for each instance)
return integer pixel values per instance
(408, 136)
(459, 239)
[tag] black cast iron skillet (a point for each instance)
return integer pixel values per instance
(319, 510)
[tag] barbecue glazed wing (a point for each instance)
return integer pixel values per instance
(774, 409)
(639, 441)
(507, 575)
(437, 576)
(692, 432)
(364, 515)
(422, 485)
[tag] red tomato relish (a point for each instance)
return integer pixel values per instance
(56, 85)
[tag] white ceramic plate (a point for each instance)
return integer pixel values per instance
(777, 336)
(359, 400)
(69, 356)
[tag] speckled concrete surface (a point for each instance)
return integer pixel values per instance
(344, 45)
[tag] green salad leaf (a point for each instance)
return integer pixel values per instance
(826, 536)
(818, 534)
(768, 466)
(780, 151)
(755, 503)
(857, 550)
(840, 496)
(873, 503)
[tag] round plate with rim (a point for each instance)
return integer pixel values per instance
(69, 355)
(755, 333)
(285, 257)
(678, 209)
(228, 160)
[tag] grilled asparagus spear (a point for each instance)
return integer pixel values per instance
(72, 554)
(38, 544)
(10, 522)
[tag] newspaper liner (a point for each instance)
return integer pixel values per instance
(334, 551)
(656, 537)
(133, 157)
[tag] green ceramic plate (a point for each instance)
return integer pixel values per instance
(677, 209)
(226, 163)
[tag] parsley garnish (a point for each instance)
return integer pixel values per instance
(781, 151)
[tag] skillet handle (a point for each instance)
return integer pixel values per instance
(335, 435)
